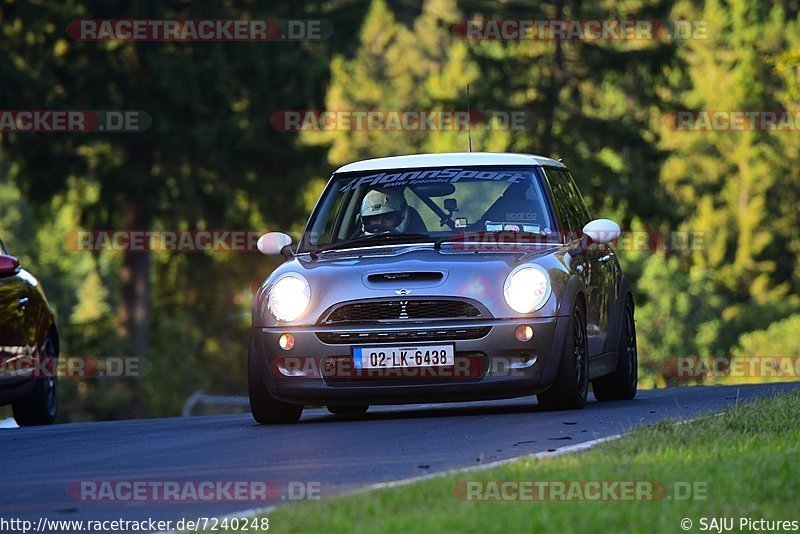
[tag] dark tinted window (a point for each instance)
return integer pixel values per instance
(571, 209)
(577, 199)
(568, 216)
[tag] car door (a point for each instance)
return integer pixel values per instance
(604, 267)
(589, 264)
(15, 323)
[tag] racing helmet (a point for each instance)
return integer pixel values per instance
(384, 202)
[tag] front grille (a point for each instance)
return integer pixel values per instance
(400, 310)
(439, 334)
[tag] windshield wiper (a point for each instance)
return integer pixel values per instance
(375, 239)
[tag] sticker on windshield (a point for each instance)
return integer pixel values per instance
(449, 175)
(526, 216)
(512, 227)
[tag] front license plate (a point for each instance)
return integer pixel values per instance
(394, 357)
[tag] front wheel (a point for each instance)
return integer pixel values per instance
(265, 408)
(571, 386)
(621, 385)
(41, 406)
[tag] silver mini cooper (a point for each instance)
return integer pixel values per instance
(443, 277)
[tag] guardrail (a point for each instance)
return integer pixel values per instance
(200, 403)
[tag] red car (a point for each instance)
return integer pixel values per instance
(28, 345)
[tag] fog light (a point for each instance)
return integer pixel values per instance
(286, 341)
(524, 332)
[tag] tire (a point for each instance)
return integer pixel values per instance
(621, 385)
(571, 387)
(41, 406)
(348, 410)
(265, 408)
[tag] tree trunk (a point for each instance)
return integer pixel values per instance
(134, 309)
(556, 81)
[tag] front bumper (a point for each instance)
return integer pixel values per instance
(493, 366)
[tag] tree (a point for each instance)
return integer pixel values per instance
(209, 160)
(734, 185)
(209, 145)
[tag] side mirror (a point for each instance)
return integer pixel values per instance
(9, 265)
(601, 231)
(275, 243)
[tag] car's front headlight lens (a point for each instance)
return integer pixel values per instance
(527, 288)
(289, 297)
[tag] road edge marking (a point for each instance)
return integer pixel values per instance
(577, 447)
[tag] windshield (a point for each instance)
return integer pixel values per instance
(427, 205)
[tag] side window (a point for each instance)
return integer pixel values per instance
(568, 217)
(577, 199)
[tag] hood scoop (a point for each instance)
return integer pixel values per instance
(404, 279)
(430, 276)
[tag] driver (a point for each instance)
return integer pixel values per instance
(384, 210)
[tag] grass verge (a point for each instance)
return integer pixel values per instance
(747, 460)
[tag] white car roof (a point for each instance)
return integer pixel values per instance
(417, 161)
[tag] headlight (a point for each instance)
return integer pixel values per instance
(527, 288)
(289, 297)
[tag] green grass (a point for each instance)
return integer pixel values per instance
(749, 457)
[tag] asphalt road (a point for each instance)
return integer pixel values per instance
(43, 466)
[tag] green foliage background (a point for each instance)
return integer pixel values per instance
(212, 160)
